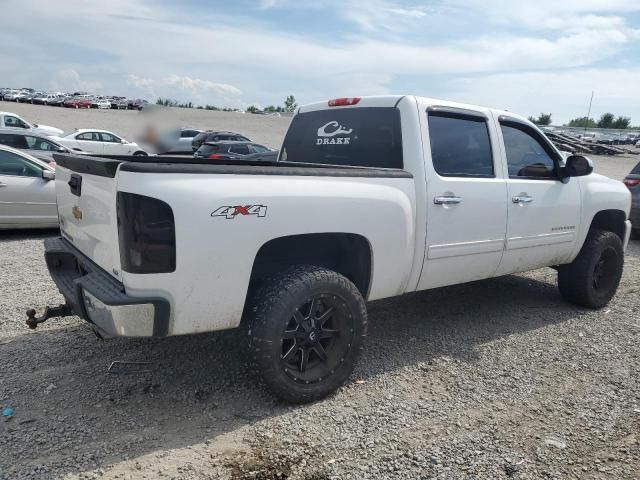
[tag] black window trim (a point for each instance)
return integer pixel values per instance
(541, 138)
(461, 114)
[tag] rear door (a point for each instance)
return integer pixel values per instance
(89, 142)
(466, 197)
(25, 197)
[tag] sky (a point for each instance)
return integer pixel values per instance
(521, 55)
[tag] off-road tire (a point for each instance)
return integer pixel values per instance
(587, 281)
(275, 305)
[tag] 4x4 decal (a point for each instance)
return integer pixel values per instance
(231, 212)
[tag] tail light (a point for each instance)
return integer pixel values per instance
(341, 102)
(632, 182)
(146, 234)
(215, 156)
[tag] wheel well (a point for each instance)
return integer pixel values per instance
(346, 253)
(611, 221)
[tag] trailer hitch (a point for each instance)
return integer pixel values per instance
(63, 310)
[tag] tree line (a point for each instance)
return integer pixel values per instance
(607, 120)
(289, 106)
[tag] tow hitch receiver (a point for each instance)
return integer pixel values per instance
(63, 310)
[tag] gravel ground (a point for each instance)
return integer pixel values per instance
(493, 379)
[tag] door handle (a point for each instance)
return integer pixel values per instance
(447, 200)
(522, 199)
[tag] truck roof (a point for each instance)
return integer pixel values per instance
(393, 100)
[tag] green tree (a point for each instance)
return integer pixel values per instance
(543, 119)
(606, 120)
(290, 104)
(583, 122)
(621, 123)
(252, 108)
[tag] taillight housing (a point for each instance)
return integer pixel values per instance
(214, 156)
(631, 182)
(344, 101)
(146, 234)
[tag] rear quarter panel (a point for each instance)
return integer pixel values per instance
(215, 255)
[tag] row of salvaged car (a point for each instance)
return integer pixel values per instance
(209, 144)
(71, 100)
(604, 139)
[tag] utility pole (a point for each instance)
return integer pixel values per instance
(586, 120)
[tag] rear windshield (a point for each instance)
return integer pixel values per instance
(363, 137)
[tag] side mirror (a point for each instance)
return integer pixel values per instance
(577, 166)
(124, 142)
(48, 174)
(62, 150)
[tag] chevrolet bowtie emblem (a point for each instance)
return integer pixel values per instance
(77, 213)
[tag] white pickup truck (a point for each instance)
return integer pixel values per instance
(370, 198)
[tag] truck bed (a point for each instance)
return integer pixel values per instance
(107, 166)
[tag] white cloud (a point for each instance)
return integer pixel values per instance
(68, 80)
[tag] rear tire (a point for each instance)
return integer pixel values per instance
(592, 279)
(305, 330)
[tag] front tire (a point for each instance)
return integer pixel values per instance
(306, 328)
(592, 279)
(140, 154)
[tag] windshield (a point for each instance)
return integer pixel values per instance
(364, 137)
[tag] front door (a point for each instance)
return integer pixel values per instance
(90, 142)
(25, 197)
(467, 198)
(544, 212)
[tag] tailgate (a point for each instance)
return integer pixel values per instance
(86, 197)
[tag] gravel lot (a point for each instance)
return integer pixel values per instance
(494, 379)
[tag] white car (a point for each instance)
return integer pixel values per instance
(373, 197)
(103, 104)
(100, 142)
(11, 120)
(27, 194)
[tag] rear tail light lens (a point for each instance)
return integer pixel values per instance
(632, 182)
(146, 234)
(342, 102)
(215, 156)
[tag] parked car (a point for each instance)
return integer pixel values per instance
(233, 150)
(57, 100)
(78, 102)
(371, 198)
(103, 104)
(136, 104)
(177, 140)
(27, 194)
(604, 139)
(99, 142)
(632, 181)
(40, 146)
(216, 136)
(10, 96)
(23, 97)
(11, 120)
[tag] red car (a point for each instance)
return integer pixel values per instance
(77, 102)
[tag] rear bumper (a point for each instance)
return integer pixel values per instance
(100, 299)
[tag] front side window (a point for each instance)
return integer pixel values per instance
(107, 137)
(15, 165)
(363, 137)
(36, 143)
(14, 122)
(527, 156)
(460, 145)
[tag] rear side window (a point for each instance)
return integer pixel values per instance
(240, 149)
(460, 145)
(208, 149)
(15, 141)
(363, 137)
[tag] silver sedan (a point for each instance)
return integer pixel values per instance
(27, 192)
